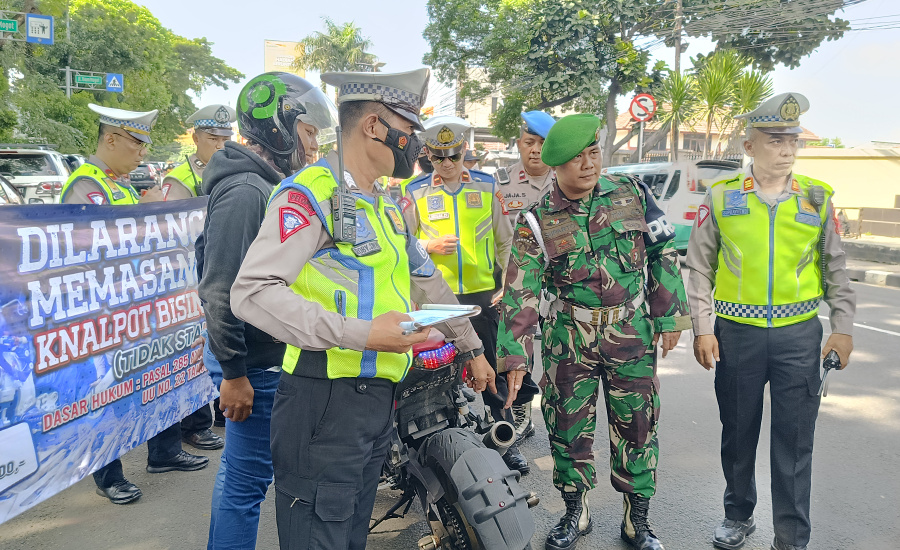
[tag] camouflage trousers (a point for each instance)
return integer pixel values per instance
(619, 360)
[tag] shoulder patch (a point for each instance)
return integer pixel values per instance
(404, 203)
(292, 221)
(499, 196)
(301, 200)
(96, 197)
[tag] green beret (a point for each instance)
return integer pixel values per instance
(568, 137)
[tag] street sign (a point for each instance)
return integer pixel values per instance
(114, 82)
(39, 29)
(88, 79)
(9, 25)
(642, 107)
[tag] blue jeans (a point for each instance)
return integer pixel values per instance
(245, 471)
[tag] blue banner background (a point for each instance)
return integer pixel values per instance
(60, 422)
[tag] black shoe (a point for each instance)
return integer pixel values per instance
(778, 545)
(183, 461)
(575, 523)
(635, 526)
(204, 439)
(218, 415)
(467, 392)
(515, 461)
(121, 492)
(732, 533)
(522, 421)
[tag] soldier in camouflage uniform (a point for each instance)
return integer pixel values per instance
(594, 259)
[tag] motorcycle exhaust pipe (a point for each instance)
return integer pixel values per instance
(501, 435)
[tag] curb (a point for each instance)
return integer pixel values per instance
(875, 277)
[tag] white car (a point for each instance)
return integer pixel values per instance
(38, 172)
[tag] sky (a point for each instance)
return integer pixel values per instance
(840, 78)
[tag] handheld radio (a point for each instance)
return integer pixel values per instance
(343, 203)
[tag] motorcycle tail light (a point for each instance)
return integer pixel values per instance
(436, 358)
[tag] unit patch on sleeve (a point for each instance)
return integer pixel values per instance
(404, 203)
(301, 200)
(291, 221)
(96, 197)
(702, 214)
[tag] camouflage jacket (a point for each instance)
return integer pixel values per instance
(598, 258)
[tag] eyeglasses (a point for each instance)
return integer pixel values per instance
(452, 158)
(133, 140)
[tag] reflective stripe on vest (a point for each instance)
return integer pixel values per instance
(103, 181)
(768, 272)
(342, 282)
(186, 177)
(466, 213)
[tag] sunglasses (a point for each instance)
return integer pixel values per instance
(452, 158)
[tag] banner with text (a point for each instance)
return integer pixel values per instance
(99, 314)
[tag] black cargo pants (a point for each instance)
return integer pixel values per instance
(788, 359)
(329, 441)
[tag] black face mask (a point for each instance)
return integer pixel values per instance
(405, 148)
(426, 165)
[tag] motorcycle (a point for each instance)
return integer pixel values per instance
(450, 459)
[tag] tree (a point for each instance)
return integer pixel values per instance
(161, 70)
(716, 90)
(677, 95)
(584, 54)
(836, 143)
(751, 89)
(339, 48)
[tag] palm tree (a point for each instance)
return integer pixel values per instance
(678, 101)
(752, 88)
(716, 79)
(339, 48)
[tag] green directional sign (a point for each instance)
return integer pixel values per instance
(9, 25)
(88, 80)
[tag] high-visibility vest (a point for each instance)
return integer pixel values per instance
(345, 279)
(186, 177)
(112, 192)
(769, 273)
(466, 213)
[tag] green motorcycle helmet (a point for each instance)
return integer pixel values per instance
(269, 107)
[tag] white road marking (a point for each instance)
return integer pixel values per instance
(876, 329)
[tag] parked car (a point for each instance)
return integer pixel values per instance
(9, 194)
(144, 177)
(74, 161)
(679, 188)
(37, 171)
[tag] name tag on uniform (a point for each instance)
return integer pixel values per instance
(435, 203)
(735, 203)
(473, 200)
(438, 216)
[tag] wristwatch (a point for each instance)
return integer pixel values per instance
(469, 355)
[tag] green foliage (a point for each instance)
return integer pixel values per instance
(339, 48)
(677, 100)
(584, 54)
(716, 77)
(161, 69)
(836, 142)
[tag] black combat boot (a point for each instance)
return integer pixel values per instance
(516, 461)
(635, 526)
(576, 522)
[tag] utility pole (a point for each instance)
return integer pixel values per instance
(69, 58)
(679, 14)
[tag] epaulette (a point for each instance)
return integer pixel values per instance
(478, 175)
(415, 184)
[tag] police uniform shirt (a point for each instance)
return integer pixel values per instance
(524, 189)
(271, 264)
(85, 190)
(174, 189)
(703, 257)
(503, 231)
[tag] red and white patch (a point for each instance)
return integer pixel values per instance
(522, 175)
(96, 197)
(702, 214)
(404, 203)
(301, 200)
(499, 196)
(291, 221)
(165, 190)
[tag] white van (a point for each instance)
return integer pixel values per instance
(679, 188)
